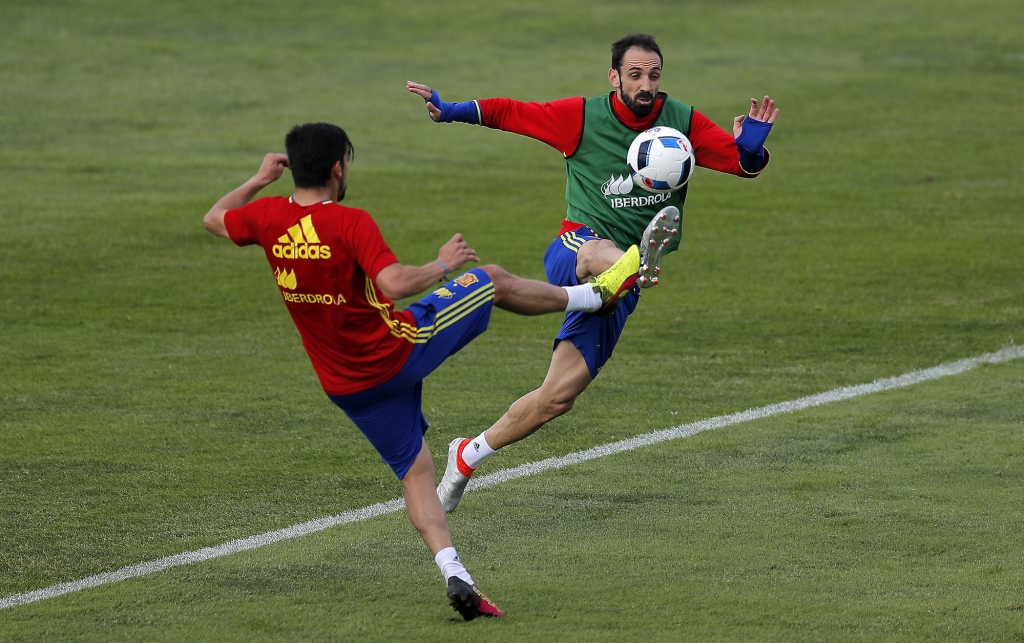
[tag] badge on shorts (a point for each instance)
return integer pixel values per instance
(444, 293)
(467, 280)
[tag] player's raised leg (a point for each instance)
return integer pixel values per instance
(533, 297)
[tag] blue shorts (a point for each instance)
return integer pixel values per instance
(593, 336)
(390, 415)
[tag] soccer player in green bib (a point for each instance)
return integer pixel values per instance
(606, 216)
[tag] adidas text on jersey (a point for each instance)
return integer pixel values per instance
(301, 242)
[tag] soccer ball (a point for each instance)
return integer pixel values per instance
(660, 159)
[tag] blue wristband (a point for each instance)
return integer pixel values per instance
(467, 112)
(750, 144)
(443, 267)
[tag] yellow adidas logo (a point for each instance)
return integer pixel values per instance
(301, 242)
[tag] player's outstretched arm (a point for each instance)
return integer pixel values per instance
(558, 123)
(398, 281)
(270, 170)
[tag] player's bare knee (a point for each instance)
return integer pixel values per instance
(586, 254)
(501, 278)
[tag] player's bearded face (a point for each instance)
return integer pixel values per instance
(640, 103)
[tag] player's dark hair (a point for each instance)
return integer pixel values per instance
(640, 41)
(313, 149)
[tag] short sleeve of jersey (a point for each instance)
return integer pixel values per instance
(243, 224)
(367, 244)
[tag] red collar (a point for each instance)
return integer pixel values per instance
(631, 120)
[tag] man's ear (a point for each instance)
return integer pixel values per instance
(613, 77)
(337, 170)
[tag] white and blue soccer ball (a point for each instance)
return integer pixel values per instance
(661, 159)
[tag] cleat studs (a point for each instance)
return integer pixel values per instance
(654, 229)
(654, 281)
(677, 218)
(675, 232)
(665, 242)
(657, 271)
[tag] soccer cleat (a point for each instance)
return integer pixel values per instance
(469, 601)
(613, 283)
(456, 476)
(654, 243)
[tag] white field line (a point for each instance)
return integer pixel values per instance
(398, 504)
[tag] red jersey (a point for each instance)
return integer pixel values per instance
(325, 258)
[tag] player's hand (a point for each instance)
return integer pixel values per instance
(272, 168)
(765, 112)
(456, 253)
(425, 93)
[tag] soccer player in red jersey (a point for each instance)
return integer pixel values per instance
(605, 216)
(338, 279)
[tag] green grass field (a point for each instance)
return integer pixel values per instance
(155, 398)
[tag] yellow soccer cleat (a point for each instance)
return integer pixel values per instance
(613, 283)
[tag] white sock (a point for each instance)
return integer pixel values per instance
(476, 451)
(583, 297)
(450, 565)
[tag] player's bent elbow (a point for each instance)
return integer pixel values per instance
(214, 224)
(391, 282)
(393, 295)
(388, 290)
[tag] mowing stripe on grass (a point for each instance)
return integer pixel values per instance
(397, 504)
